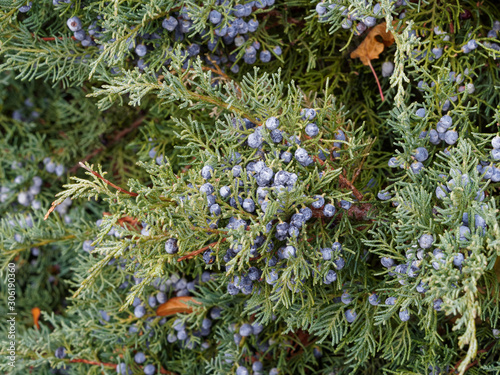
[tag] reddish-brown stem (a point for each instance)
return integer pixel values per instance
(344, 181)
(108, 182)
(95, 363)
(485, 350)
(50, 39)
(194, 253)
(115, 140)
(376, 79)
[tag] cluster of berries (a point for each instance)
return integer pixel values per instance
(26, 192)
(353, 20)
(85, 37)
(487, 168)
(26, 113)
(232, 30)
(51, 167)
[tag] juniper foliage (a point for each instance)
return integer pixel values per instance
(176, 138)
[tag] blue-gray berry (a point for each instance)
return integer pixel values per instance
(149, 369)
(171, 246)
(312, 130)
(139, 311)
(206, 172)
(246, 330)
(74, 24)
(60, 352)
(139, 357)
(215, 17)
(319, 202)
(141, 50)
(329, 210)
(495, 142)
(451, 137)
(350, 315)
(404, 315)
(425, 241)
(169, 23)
(373, 299)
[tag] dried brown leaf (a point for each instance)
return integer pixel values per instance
(176, 305)
(373, 45)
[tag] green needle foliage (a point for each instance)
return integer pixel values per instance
(219, 188)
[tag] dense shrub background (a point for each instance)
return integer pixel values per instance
(365, 243)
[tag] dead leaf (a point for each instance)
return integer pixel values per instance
(35, 311)
(496, 267)
(373, 45)
(176, 305)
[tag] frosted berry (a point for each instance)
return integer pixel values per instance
(495, 142)
(248, 205)
(319, 202)
(60, 352)
(420, 112)
(330, 276)
(425, 241)
(421, 154)
(383, 195)
(171, 246)
(74, 23)
(123, 369)
(257, 366)
(139, 357)
(286, 156)
(373, 299)
(215, 17)
(326, 253)
(387, 68)
(139, 311)
(495, 154)
(149, 369)
(387, 262)
(272, 123)
(451, 137)
(329, 210)
(246, 330)
(391, 301)
(346, 298)
(339, 263)
(242, 371)
(169, 23)
(350, 315)
(25, 8)
(437, 304)
(141, 50)
(446, 121)
(312, 130)
(206, 172)
(289, 252)
(225, 191)
(404, 315)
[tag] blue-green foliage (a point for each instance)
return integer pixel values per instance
(234, 154)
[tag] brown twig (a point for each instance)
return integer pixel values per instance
(358, 170)
(95, 363)
(485, 350)
(50, 39)
(376, 79)
(108, 182)
(194, 253)
(344, 182)
(115, 140)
